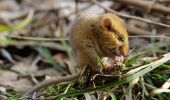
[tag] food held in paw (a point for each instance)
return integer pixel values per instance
(112, 65)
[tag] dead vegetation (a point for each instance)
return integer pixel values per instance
(34, 47)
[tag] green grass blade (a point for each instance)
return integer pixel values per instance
(5, 28)
(149, 68)
(112, 95)
(26, 21)
(44, 52)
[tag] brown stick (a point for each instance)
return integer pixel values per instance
(145, 5)
(129, 16)
(164, 1)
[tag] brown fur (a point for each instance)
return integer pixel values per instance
(93, 36)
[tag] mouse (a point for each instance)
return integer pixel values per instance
(92, 36)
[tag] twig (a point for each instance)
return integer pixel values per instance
(7, 55)
(149, 46)
(66, 38)
(145, 4)
(153, 4)
(35, 38)
(129, 16)
(164, 1)
(52, 45)
(145, 36)
(33, 79)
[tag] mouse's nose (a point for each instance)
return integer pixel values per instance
(123, 51)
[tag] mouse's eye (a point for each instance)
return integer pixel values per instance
(121, 38)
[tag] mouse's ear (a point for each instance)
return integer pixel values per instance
(107, 23)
